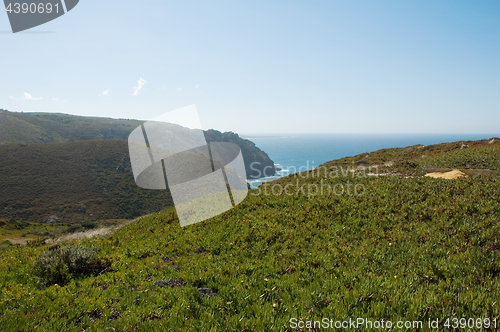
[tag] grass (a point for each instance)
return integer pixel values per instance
(407, 249)
(481, 158)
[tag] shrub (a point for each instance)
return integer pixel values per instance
(60, 264)
(36, 242)
(89, 225)
(74, 228)
(5, 244)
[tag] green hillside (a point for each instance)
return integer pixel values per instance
(51, 127)
(75, 182)
(77, 169)
(420, 159)
(55, 127)
(405, 248)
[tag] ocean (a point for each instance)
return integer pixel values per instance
(300, 152)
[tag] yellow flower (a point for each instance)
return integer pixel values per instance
(395, 277)
(265, 279)
(274, 305)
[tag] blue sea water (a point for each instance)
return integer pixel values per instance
(301, 152)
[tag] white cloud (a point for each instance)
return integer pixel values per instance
(105, 93)
(26, 96)
(197, 85)
(140, 84)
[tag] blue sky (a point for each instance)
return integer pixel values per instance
(333, 66)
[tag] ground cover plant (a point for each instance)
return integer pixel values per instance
(408, 248)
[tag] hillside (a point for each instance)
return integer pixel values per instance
(469, 156)
(408, 248)
(65, 168)
(75, 182)
(51, 127)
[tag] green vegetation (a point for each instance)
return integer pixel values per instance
(419, 159)
(479, 158)
(72, 182)
(83, 173)
(26, 232)
(409, 248)
(60, 264)
(48, 127)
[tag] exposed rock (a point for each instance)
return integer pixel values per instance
(52, 220)
(171, 282)
(95, 315)
(114, 315)
(160, 283)
(464, 146)
(362, 163)
(200, 250)
(207, 292)
(257, 162)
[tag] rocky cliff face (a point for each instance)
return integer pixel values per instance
(257, 162)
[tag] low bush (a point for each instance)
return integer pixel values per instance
(5, 244)
(74, 228)
(36, 242)
(60, 264)
(89, 225)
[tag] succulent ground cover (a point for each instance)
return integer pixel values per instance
(406, 247)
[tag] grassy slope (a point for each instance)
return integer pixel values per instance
(78, 167)
(52, 127)
(418, 159)
(409, 248)
(41, 180)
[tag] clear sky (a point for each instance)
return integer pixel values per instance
(335, 66)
